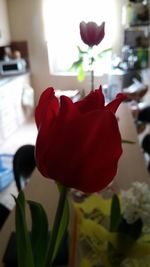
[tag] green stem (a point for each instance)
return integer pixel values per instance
(91, 60)
(56, 224)
(92, 80)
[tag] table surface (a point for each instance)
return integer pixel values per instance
(131, 168)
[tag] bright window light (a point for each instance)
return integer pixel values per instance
(62, 19)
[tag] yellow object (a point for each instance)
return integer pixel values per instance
(96, 241)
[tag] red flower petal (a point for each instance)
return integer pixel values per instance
(113, 105)
(80, 145)
(100, 33)
(94, 100)
(91, 33)
(47, 107)
(83, 33)
(95, 156)
(48, 134)
(92, 29)
(67, 108)
(81, 154)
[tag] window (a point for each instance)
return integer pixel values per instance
(61, 20)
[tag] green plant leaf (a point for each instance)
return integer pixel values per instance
(63, 225)
(104, 52)
(81, 52)
(81, 74)
(39, 233)
(128, 141)
(59, 227)
(24, 248)
(76, 65)
(115, 215)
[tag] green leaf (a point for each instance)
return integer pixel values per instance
(115, 215)
(76, 64)
(59, 227)
(39, 233)
(63, 225)
(104, 52)
(81, 52)
(128, 142)
(81, 74)
(24, 248)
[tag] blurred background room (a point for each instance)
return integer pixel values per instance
(39, 41)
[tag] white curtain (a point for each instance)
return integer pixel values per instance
(61, 20)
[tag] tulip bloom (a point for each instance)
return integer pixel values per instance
(91, 33)
(78, 144)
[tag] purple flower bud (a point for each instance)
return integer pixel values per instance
(91, 33)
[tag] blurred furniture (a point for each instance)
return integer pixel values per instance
(6, 172)
(131, 168)
(23, 165)
(135, 91)
(136, 33)
(144, 115)
(4, 212)
(13, 90)
(4, 24)
(146, 149)
(75, 95)
(135, 49)
(146, 144)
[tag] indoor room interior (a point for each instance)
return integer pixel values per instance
(41, 47)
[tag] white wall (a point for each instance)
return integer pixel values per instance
(26, 23)
(118, 40)
(4, 24)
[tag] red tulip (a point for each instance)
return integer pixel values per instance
(91, 33)
(78, 144)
